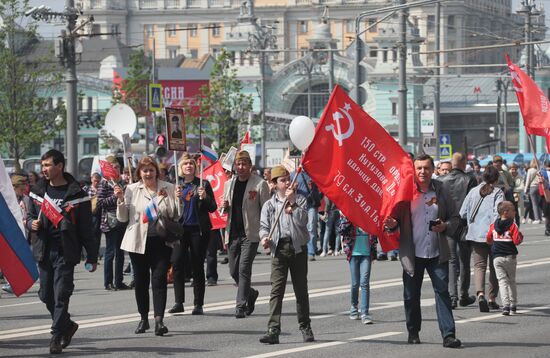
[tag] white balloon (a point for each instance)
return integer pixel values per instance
(301, 131)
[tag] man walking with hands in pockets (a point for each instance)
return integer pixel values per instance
(244, 196)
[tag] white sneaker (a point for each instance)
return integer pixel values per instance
(329, 252)
(323, 254)
(535, 222)
(366, 319)
(523, 221)
(336, 253)
(354, 316)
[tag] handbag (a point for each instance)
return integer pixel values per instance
(111, 220)
(170, 230)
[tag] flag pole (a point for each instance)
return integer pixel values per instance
(130, 170)
(176, 173)
(298, 170)
(200, 149)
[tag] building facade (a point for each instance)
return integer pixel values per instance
(196, 27)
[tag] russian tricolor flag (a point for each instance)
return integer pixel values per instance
(151, 212)
(209, 154)
(16, 259)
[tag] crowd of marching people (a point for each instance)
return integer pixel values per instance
(462, 217)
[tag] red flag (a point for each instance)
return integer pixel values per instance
(246, 139)
(215, 174)
(359, 166)
(543, 132)
(533, 104)
(107, 171)
(52, 211)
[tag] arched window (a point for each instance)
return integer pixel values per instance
(318, 101)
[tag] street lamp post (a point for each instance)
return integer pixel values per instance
(67, 50)
(529, 10)
(259, 41)
(402, 6)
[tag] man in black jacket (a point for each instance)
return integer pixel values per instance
(57, 248)
(458, 184)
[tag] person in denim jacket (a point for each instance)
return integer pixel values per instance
(360, 249)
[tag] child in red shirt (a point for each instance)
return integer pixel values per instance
(504, 235)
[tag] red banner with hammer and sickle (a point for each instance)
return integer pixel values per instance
(359, 166)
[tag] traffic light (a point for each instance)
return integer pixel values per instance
(160, 149)
(492, 132)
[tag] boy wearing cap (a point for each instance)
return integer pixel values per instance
(244, 196)
(288, 246)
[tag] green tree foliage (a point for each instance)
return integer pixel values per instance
(133, 89)
(221, 103)
(27, 79)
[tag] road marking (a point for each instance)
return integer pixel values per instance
(426, 302)
(21, 304)
(223, 305)
(324, 345)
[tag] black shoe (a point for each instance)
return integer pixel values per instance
(224, 261)
(55, 345)
(160, 328)
(177, 308)
(67, 336)
(197, 311)
(143, 325)
(493, 305)
(132, 284)
(451, 342)
(123, 286)
(239, 313)
(393, 258)
(211, 283)
(110, 287)
(454, 303)
(382, 257)
(413, 338)
(271, 337)
(466, 301)
(482, 302)
(307, 334)
(253, 296)
(547, 233)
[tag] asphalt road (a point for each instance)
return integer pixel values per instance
(108, 319)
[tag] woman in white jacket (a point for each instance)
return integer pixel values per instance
(480, 211)
(149, 252)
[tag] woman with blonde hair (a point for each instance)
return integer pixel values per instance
(140, 206)
(197, 201)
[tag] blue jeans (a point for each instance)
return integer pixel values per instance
(312, 219)
(332, 220)
(412, 286)
(359, 267)
(113, 239)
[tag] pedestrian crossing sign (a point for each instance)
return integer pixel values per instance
(155, 97)
(445, 151)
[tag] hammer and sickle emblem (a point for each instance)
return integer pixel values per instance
(214, 179)
(337, 130)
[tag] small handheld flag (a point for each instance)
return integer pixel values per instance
(151, 212)
(52, 211)
(107, 171)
